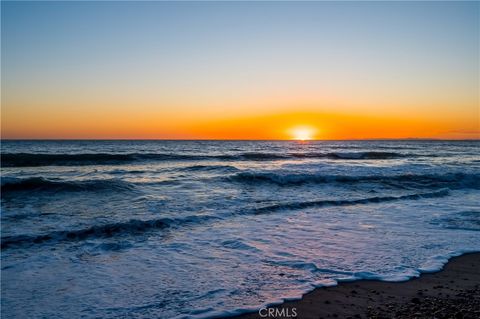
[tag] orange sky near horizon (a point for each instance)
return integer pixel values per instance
(325, 126)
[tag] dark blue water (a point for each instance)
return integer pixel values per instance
(201, 228)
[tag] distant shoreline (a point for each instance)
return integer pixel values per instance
(453, 292)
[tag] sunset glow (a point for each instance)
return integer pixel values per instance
(302, 133)
(239, 70)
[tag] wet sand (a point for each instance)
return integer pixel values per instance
(453, 292)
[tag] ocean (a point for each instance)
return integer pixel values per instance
(195, 229)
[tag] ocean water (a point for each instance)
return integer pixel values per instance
(193, 229)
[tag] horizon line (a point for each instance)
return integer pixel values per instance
(239, 140)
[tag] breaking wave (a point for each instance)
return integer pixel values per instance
(134, 226)
(327, 203)
(42, 159)
(12, 184)
(458, 180)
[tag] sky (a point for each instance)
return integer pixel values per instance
(239, 70)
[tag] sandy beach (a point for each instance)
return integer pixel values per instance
(453, 292)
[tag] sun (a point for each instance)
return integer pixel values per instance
(302, 133)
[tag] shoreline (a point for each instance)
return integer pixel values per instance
(452, 292)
